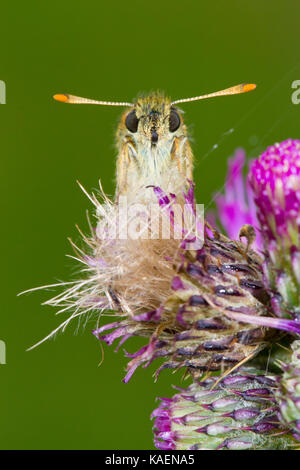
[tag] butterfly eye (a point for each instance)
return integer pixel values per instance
(132, 121)
(174, 121)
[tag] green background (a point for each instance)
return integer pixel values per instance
(56, 396)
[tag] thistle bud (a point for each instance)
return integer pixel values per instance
(288, 392)
(216, 316)
(275, 181)
(237, 413)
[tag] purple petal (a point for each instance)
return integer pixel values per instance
(291, 326)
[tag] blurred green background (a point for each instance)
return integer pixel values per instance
(56, 396)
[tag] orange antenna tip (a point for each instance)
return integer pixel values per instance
(62, 98)
(249, 87)
(78, 100)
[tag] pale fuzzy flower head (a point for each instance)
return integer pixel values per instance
(128, 267)
(200, 308)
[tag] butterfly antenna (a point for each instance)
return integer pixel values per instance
(235, 90)
(65, 98)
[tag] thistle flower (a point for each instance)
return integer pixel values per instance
(288, 392)
(215, 313)
(275, 181)
(199, 308)
(200, 301)
(236, 207)
(238, 413)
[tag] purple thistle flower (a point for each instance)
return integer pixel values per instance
(236, 207)
(275, 180)
(238, 413)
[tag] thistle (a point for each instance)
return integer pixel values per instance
(215, 314)
(200, 309)
(288, 392)
(275, 181)
(237, 413)
(203, 303)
